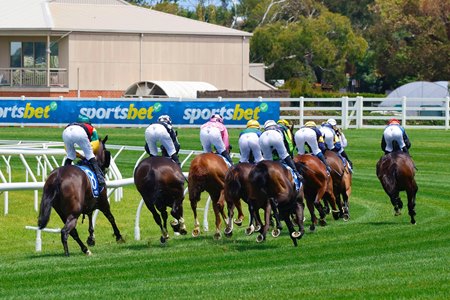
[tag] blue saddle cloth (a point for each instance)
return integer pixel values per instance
(297, 182)
(226, 160)
(92, 178)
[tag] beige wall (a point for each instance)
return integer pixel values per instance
(115, 61)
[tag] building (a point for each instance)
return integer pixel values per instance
(90, 48)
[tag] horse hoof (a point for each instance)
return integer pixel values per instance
(229, 234)
(120, 241)
(276, 233)
(335, 215)
(183, 231)
(258, 228)
(91, 242)
(296, 234)
(196, 232)
(322, 222)
(162, 240)
(238, 222)
(312, 228)
(217, 236)
(260, 238)
(228, 231)
(346, 217)
(88, 253)
(249, 230)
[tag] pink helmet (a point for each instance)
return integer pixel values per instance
(393, 121)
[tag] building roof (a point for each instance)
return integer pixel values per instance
(99, 16)
(171, 89)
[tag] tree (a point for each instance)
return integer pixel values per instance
(410, 40)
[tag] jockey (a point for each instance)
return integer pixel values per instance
(395, 138)
(310, 135)
(334, 139)
(289, 142)
(249, 143)
(214, 133)
(272, 139)
(85, 136)
(162, 132)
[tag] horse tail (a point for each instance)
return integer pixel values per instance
(260, 175)
(233, 184)
(50, 192)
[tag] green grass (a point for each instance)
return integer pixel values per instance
(373, 256)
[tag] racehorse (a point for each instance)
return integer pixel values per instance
(236, 187)
(317, 185)
(68, 190)
(342, 182)
(207, 173)
(160, 182)
(396, 171)
(273, 189)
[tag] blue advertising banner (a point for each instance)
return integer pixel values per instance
(135, 111)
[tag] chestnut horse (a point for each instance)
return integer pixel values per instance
(396, 173)
(317, 185)
(207, 173)
(273, 189)
(342, 182)
(160, 182)
(68, 190)
(237, 187)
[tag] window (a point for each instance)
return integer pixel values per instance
(33, 55)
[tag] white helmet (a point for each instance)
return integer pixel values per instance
(332, 122)
(165, 119)
(269, 123)
(216, 118)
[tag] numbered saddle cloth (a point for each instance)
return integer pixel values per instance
(297, 182)
(92, 178)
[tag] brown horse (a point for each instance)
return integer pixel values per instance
(396, 173)
(342, 182)
(68, 190)
(317, 185)
(207, 173)
(237, 187)
(160, 182)
(273, 189)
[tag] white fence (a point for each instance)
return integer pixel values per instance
(362, 112)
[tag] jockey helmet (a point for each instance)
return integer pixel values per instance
(269, 123)
(253, 124)
(284, 122)
(83, 119)
(216, 118)
(393, 121)
(165, 119)
(310, 124)
(332, 122)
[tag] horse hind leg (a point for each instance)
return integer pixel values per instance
(91, 238)
(69, 228)
(411, 194)
(107, 212)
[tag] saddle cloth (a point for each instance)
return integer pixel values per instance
(297, 182)
(92, 178)
(226, 160)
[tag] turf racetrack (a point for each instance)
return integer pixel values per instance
(373, 256)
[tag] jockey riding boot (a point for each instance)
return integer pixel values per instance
(101, 179)
(174, 157)
(290, 162)
(322, 158)
(404, 149)
(227, 156)
(68, 162)
(344, 154)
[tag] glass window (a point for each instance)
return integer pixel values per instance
(28, 54)
(16, 54)
(54, 52)
(40, 55)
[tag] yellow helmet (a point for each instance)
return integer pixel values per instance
(284, 122)
(253, 124)
(310, 124)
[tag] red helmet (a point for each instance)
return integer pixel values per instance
(393, 121)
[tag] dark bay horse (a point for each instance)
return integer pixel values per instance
(236, 187)
(160, 182)
(317, 185)
(272, 188)
(207, 173)
(68, 190)
(396, 173)
(342, 182)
